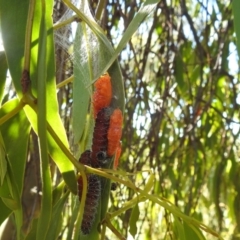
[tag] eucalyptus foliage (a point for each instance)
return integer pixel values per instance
(175, 74)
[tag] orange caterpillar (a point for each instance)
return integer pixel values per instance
(115, 133)
(102, 95)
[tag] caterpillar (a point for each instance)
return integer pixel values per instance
(92, 200)
(103, 93)
(100, 140)
(85, 158)
(114, 132)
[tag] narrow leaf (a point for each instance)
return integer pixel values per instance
(53, 232)
(14, 129)
(236, 21)
(192, 232)
(179, 229)
(133, 220)
(3, 162)
(5, 212)
(13, 19)
(3, 73)
(46, 203)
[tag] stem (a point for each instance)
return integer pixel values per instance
(82, 206)
(66, 22)
(175, 211)
(28, 37)
(65, 150)
(101, 5)
(13, 112)
(101, 173)
(128, 205)
(103, 230)
(46, 201)
(115, 231)
(65, 82)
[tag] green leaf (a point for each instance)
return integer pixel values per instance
(3, 162)
(5, 212)
(192, 232)
(9, 193)
(57, 193)
(14, 129)
(236, 21)
(46, 203)
(55, 228)
(3, 73)
(75, 208)
(179, 229)
(13, 18)
(82, 78)
(143, 12)
(133, 220)
(32, 234)
(179, 72)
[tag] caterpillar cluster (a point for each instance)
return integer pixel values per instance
(108, 125)
(106, 142)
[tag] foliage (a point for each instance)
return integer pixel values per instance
(179, 171)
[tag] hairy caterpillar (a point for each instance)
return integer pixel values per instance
(114, 132)
(103, 93)
(92, 200)
(85, 158)
(100, 140)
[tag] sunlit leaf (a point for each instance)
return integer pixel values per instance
(14, 129)
(15, 15)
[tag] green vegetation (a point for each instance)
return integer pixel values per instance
(175, 73)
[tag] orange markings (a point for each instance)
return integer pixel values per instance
(102, 95)
(114, 131)
(117, 156)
